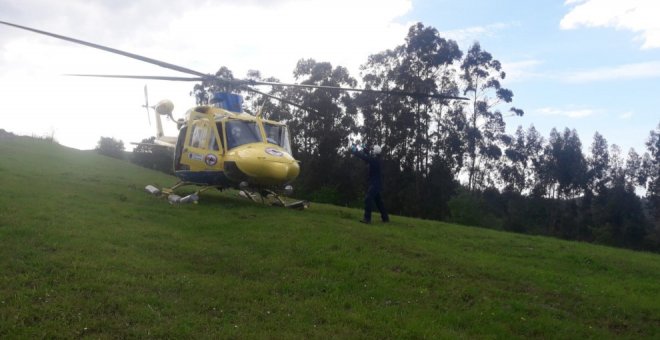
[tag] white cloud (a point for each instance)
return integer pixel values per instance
(517, 71)
(570, 113)
(649, 69)
(267, 35)
(467, 36)
(626, 115)
(273, 38)
(639, 16)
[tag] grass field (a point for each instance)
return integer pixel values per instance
(84, 252)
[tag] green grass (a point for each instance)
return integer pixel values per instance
(84, 252)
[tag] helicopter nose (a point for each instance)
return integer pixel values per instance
(269, 172)
(277, 172)
(262, 171)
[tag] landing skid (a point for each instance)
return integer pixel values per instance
(264, 197)
(272, 198)
(173, 198)
(182, 184)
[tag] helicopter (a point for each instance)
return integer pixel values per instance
(219, 145)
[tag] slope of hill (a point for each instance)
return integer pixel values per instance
(84, 252)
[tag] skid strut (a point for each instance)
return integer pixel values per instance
(269, 196)
(264, 197)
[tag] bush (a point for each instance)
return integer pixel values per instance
(326, 194)
(152, 156)
(110, 147)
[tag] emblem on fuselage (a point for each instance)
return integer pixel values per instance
(211, 159)
(274, 152)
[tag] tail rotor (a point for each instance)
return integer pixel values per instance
(146, 103)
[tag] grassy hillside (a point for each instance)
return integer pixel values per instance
(84, 252)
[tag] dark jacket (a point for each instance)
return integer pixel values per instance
(375, 176)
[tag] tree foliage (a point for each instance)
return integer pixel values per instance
(482, 76)
(449, 159)
(149, 155)
(110, 147)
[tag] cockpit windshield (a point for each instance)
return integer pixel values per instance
(278, 135)
(240, 132)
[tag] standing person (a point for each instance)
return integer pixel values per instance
(372, 158)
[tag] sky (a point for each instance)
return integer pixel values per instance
(589, 65)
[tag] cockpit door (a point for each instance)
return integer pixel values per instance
(201, 150)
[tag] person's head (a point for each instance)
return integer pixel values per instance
(376, 150)
(235, 131)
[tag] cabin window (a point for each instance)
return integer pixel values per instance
(278, 135)
(240, 132)
(199, 136)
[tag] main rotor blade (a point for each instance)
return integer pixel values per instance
(398, 93)
(138, 77)
(110, 49)
(280, 99)
(203, 76)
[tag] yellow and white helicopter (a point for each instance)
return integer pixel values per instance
(219, 145)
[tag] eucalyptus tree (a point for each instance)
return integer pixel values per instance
(617, 167)
(324, 131)
(652, 168)
(201, 91)
(598, 165)
(321, 132)
(423, 135)
(411, 127)
(426, 61)
(634, 173)
(482, 75)
(565, 164)
(450, 137)
(534, 144)
(276, 110)
(513, 166)
(652, 163)
(381, 113)
(519, 169)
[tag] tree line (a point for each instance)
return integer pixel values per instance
(453, 160)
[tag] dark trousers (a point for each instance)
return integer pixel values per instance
(373, 195)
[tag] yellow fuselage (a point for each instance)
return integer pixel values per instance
(259, 162)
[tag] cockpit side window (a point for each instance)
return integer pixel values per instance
(240, 132)
(214, 143)
(278, 135)
(273, 133)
